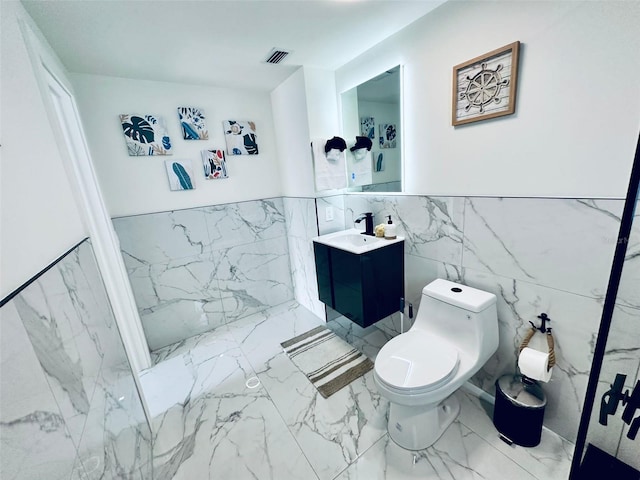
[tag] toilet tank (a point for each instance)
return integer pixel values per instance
(465, 316)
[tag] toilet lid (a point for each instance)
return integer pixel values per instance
(415, 360)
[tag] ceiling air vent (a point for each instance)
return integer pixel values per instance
(276, 55)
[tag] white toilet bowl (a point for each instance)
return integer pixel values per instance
(419, 370)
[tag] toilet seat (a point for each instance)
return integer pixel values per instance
(416, 362)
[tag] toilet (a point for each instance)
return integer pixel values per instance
(453, 336)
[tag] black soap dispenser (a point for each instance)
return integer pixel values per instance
(390, 229)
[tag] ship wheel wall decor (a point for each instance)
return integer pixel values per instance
(485, 87)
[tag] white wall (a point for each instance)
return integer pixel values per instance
(39, 218)
(577, 114)
(304, 108)
(322, 104)
(289, 105)
(136, 185)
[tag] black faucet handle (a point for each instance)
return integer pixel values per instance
(364, 216)
(368, 218)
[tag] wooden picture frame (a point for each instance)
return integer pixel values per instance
(485, 87)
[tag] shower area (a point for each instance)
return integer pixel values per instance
(608, 443)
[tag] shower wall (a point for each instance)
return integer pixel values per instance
(196, 269)
(193, 270)
(69, 407)
(622, 356)
(536, 255)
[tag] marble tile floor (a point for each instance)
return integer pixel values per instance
(228, 404)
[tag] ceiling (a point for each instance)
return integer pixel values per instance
(216, 42)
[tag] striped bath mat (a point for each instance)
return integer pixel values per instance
(329, 362)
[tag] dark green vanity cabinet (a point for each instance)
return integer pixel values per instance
(363, 287)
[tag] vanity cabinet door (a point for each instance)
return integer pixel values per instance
(364, 288)
(382, 283)
(347, 284)
(323, 273)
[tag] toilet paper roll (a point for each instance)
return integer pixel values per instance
(534, 363)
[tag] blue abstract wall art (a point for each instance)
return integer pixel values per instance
(378, 162)
(367, 127)
(145, 135)
(214, 164)
(180, 174)
(387, 135)
(240, 137)
(192, 123)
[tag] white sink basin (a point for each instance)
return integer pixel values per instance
(354, 241)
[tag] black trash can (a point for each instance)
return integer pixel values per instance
(519, 410)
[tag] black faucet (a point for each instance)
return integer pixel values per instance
(368, 223)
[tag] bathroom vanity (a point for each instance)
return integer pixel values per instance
(360, 276)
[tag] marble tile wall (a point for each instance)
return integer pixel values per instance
(302, 226)
(535, 255)
(69, 406)
(194, 270)
(336, 204)
(188, 268)
(432, 227)
(307, 218)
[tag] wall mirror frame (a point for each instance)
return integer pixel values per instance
(374, 109)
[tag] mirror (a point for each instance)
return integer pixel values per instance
(372, 109)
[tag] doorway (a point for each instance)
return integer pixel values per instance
(65, 121)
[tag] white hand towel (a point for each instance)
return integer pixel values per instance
(360, 168)
(329, 174)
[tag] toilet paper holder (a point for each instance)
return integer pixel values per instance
(543, 329)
